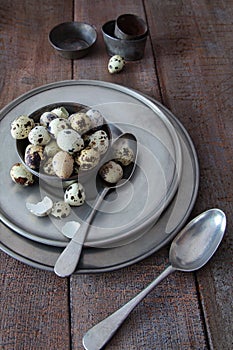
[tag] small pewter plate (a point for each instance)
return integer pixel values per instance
(127, 213)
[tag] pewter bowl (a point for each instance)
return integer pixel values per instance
(53, 180)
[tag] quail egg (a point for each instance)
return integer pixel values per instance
(57, 125)
(33, 156)
(96, 117)
(87, 159)
(124, 155)
(51, 148)
(46, 118)
(21, 127)
(70, 141)
(75, 194)
(20, 175)
(80, 122)
(111, 172)
(61, 112)
(39, 136)
(99, 141)
(63, 164)
(60, 210)
(116, 64)
(47, 167)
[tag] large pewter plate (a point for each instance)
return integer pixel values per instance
(136, 207)
(100, 260)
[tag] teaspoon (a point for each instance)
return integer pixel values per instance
(68, 260)
(189, 251)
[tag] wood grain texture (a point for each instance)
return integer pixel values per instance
(194, 55)
(155, 324)
(188, 66)
(34, 303)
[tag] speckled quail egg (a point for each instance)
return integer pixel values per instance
(46, 118)
(51, 148)
(87, 159)
(57, 125)
(124, 155)
(111, 172)
(33, 156)
(61, 112)
(39, 136)
(80, 122)
(75, 194)
(70, 141)
(21, 127)
(61, 210)
(96, 117)
(21, 175)
(47, 167)
(63, 164)
(116, 64)
(99, 141)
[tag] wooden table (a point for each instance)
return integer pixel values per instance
(188, 67)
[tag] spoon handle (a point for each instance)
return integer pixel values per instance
(101, 333)
(69, 258)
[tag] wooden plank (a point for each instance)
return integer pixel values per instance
(193, 45)
(95, 65)
(170, 316)
(34, 303)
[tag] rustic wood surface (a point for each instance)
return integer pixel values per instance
(188, 67)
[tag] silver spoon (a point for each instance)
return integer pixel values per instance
(189, 251)
(69, 258)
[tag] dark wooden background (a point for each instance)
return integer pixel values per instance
(188, 67)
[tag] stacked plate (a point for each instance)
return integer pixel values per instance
(135, 220)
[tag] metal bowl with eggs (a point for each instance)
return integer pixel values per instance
(65, 144)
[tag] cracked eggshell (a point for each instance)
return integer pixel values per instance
(87, 159)
(111, 172)
(99, 141)
(33, 156)
(46, 118)
(63, 164)
(42, 208)
(61, 112)
(39, 135)
(70, 141)
(80, 122)
(75, 194)
(96, 117)
(21, 175)
(61, 210)
(57, 125)
(70, 228)
(21, 127)
(116, 64)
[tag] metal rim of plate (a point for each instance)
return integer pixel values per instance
(100, 260)
(160, 182)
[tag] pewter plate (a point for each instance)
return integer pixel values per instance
(99, 260)
(125, 214)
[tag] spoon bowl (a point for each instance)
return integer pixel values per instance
(68, 260)
(198, 241)
(189, 251)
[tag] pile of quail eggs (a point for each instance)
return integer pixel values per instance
(61, 145)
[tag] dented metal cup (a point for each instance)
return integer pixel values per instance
(130, 50)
